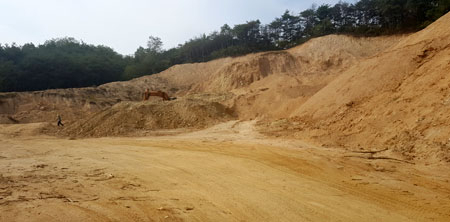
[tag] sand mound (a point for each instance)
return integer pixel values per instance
(177, 80)
(296, 74)
(248, 69)
(314, 61)
(133, 118)
(43, 106)
(399, 99)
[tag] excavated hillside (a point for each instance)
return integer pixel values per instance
(275, 84)
(43, 106)
(312, 62)
(267, 84)
(398, 101)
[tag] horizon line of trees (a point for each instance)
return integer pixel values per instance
(67, 63)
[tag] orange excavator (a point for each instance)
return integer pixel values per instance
(146, 95)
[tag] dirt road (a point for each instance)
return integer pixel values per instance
(227, 173)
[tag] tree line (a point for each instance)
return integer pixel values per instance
(66, 62)
(58, 63)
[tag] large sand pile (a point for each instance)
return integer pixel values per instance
(177, 80)
(43, 106)
(294, 75)
(398, 100)
(136, 118)
(314, 60)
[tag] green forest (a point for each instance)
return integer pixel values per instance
(67, 62)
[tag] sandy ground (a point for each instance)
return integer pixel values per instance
(225, 173)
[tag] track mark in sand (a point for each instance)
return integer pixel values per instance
(41, 166)
(99, 175)
(133, 198)
(43, 196)
(43, 182)
(25, 198)
(4, 194)
(371, 157)
(130, 186)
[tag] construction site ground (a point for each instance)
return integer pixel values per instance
(225, 173)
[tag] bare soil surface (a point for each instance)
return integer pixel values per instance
(225, 173)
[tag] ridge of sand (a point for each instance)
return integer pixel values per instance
(398, 99)
(137, 118)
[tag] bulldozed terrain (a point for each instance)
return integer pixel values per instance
(337, 129)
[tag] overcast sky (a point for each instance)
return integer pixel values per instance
(124, 25)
